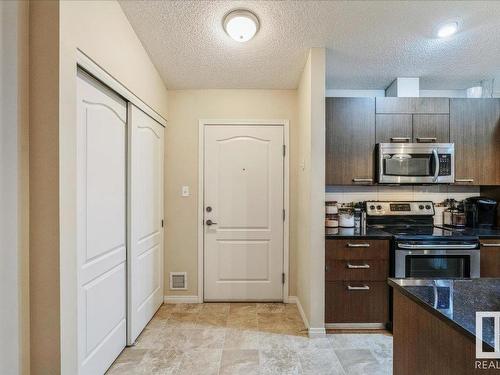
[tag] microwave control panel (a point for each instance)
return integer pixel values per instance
(444, 164)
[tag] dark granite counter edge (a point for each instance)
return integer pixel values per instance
(433, 311)
(357, 237)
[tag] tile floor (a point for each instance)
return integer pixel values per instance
(247, 339)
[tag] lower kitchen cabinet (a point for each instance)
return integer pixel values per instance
(490, 258)
(356, 302)
(356, 272)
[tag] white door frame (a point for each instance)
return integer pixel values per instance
(201, 183)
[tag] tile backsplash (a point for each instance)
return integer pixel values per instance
(434, 193)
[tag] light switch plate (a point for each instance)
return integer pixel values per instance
(185, 191)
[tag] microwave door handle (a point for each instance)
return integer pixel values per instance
(436, 160)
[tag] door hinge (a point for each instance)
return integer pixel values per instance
(284, 150)
(162, 223)
(283, 278)
(284, 214)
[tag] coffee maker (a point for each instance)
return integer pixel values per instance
(480, 212)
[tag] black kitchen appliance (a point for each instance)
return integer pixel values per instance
(480, 212)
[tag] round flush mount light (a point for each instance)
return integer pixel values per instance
(241, 25)
(447, 30)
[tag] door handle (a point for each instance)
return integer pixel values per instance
(400, 139)
(364, 287)
(426, 139)
(210, 222)
(356, 266)
(436, 160)
(358, 245)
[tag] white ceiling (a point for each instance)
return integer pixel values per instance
(368, 43)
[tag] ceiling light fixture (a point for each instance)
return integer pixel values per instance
(241, 25)
(447, 30)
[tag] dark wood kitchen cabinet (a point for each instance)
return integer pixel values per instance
(431, 128)
(475, 130)
(490, 257)
(356, 273)
(350, 140)
(413, 105)
(393, 128)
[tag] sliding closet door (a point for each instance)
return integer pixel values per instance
(101, 225)
(145, 220)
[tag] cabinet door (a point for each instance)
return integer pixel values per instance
(475, 130)
(431, 128)
(413, 105)
(432, 105)
(490, 258)
(393, 128)
(350, 140)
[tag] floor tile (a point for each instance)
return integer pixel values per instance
(319, 362)
(200, 362)
(270, 307)
(242, 321)
(207, 319)
(164, 362)
(242, 308)
(182, 320)
(221, 308)
(241, 339)
(279, 361)
(188, 308)
(357, 361)
(240, 362)
(207, 338)
(276, 341)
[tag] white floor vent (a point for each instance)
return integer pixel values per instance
(178, 280)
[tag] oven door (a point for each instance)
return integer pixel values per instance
(438, 264)
(400, 163)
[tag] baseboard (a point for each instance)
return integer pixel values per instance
(181, 299)
(316, 332)
(355, 326)
(295, 299)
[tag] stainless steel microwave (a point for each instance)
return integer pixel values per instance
(416, 163)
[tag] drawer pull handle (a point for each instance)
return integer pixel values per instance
(464, 180)
(357, 266)
(426, 139)
(400, 139)
(490, 244)
(358, 245)
(364, 287)
(369, 180)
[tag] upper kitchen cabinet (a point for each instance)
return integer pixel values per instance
(431, 128)
(350, 140)
(475, 130)
(393, 128)
(413, 105)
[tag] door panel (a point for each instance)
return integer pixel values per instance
(101, 225)
(389, 128)
(243, 175)
(431, 128)
(145, 218)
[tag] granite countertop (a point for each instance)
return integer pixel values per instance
(483, 233)
(351, 233)
(456, 301)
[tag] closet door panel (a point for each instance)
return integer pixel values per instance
(145, 220)
(101, 225)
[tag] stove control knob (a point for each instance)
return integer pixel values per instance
(421, 206)
(428, 207)
(379, 207)
(372, 207)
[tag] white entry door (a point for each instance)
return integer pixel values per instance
(146, 220)
(101, 225)
(243, 199)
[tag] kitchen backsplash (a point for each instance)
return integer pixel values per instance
(434, 193)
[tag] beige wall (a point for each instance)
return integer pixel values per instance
(101, 30)
(310, 190)
(14, 192)
(186, 108)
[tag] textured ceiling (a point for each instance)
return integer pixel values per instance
(369, 43)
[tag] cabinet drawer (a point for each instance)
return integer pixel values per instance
(356, 302)
(357, 249)
(371, 270)
(490, 257)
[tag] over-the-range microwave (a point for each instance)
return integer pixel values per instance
(416, 163)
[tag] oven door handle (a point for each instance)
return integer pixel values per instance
(436, 247)
(436, 160)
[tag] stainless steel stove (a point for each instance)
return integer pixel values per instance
(420, 249)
